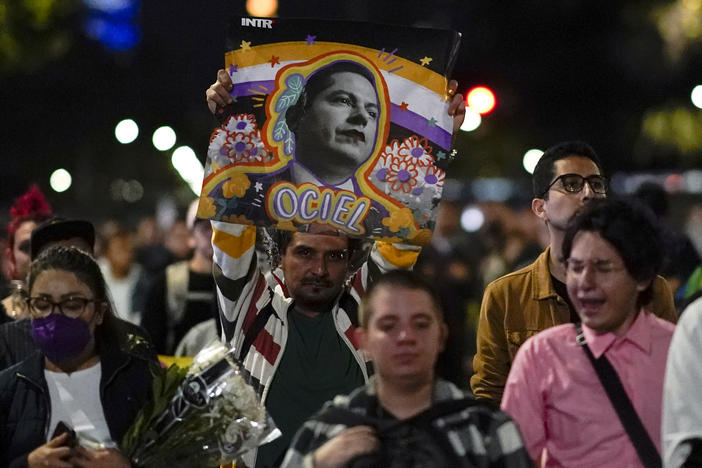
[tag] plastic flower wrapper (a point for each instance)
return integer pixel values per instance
(203, 418)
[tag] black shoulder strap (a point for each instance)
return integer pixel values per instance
(609, 379)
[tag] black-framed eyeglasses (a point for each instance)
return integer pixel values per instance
(71, 307)
(574, 183)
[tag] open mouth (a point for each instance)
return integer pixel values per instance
(590, 306)
(354, 135)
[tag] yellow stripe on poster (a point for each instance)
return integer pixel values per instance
(235, 246)
(280, 52)
(399, 258)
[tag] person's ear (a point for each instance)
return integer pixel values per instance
(100, 311)
(538, 207)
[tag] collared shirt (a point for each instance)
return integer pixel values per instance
(682, 408)
(559, 404)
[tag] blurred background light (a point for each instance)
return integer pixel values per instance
(111, 22)
(472, 120)
(472, 218)
(126, 131)
(481, 99)
(696, 96)
(496, 189)
(115, 35)
(189, 167)
(132, 191)
(530, 159)
(164, 138)
(60, 180)
(112, 7)
(264, 8)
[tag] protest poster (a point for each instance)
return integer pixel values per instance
(338, 123)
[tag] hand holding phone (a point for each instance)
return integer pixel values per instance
(71, 439)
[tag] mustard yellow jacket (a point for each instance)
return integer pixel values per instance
(519, 305)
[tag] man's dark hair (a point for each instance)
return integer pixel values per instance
(318, 82)
(403, 279)
(633, 231)
(544, 170)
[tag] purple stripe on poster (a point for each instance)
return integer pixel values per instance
(420, 125)
(251, 88)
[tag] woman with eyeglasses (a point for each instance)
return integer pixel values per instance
(71, 402)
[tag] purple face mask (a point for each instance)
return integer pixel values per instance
(59, 337)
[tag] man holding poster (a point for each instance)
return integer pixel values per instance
(293, 325)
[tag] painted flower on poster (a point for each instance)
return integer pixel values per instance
(237, 141)
(416, 150)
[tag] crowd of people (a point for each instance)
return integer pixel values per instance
(576, 358)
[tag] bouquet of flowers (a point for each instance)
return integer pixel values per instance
(204, 416)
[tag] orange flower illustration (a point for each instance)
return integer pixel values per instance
(206, 208)
(399, 218)
(236, 186)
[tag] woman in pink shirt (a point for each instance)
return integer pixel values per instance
(612, 251)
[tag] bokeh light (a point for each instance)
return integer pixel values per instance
(263, 8)
(126, 131)
(481, 99)
(531, 158)
(60, 180)
(164, 138)
(472, 218)
(472, 120)
(189, 167)
(696, 96)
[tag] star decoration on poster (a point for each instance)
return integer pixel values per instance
(233, 69)
(431, 122)
(310, 39)
(274, 61)
(404, 106)
(425, 61)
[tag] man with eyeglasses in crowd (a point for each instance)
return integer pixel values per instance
(527, 301)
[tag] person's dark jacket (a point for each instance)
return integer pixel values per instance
(16, 342)
(125, 386)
